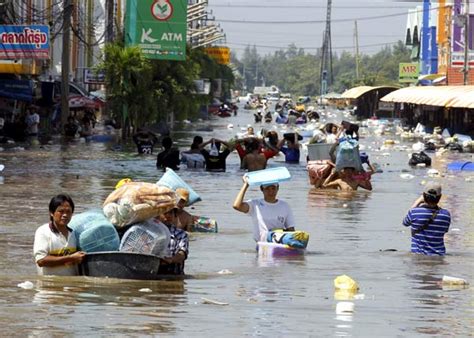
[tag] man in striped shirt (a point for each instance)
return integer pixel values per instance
(428, 222)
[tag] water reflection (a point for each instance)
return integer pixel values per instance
(351, 204)
(272, 261)
(130, 306)
(283, 297)
(433, 306)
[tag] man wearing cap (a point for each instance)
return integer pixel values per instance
(267, 213)
(428, 222)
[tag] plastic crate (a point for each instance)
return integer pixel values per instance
(146, 238)
(94, 232)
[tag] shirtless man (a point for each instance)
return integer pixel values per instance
(254, 160)
(345, 182)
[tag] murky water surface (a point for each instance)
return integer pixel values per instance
(350, 234)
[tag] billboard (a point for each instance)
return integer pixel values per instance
(408, 72)
(24, 42)
(158, 27)
(220, 54)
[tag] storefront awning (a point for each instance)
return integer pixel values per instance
(431, 77)
(464, 101)
(357, 92)
(441, 96)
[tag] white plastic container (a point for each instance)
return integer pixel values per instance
(319, 151)
(449, 280)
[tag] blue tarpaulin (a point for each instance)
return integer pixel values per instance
(21, 90)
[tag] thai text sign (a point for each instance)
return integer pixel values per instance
(24, 42)
(158, 27)
(93, 77)
(408, 72)
(220, 54)
(457, 59)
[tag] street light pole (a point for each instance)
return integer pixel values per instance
(466, 44)
(65, 61)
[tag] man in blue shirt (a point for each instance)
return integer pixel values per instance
(428, 222)
(292, 149)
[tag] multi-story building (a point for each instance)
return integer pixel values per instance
(88, 34)
(437, 33)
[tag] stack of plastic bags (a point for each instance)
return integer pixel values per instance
(135, 202)
(348, 155)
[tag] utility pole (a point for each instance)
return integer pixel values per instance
(109, 7)
(90, 33)
(326, 57)
(466, 43)
(256, 72)
(65, 61)
(356, 36)
(109, 38)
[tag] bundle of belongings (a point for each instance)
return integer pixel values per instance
(348, 155)
(129, 220)
(318, 171)
(294, 239)
(134, 202)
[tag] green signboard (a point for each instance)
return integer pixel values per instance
(408, 72)
(158, 27)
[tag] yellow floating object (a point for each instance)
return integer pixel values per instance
(341, 294)
(389, 142)
(122, 182)
(344, 282)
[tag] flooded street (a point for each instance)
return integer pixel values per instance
(359, 234)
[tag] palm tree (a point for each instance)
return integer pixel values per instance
(129, 81)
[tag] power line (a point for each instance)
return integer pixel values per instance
(301, 6)
(303, 22)
(314, 48)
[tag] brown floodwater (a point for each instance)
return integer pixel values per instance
(358, 234)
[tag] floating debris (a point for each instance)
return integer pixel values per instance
(448, 280)
(27, 285)
(407, 176)
(213, 302)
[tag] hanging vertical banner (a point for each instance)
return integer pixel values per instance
(24, 42)
(158, 27)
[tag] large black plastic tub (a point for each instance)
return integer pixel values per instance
(124, 265)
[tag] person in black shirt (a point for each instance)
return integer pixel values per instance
(145, 141)
(71, 127)
(215, 158)
(169, 157)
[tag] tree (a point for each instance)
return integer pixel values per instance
(152, 90)
(130, 86)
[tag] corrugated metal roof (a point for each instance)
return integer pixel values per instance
(464, 101)
(356, 92)
(441, 96)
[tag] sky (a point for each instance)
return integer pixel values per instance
(272, 33)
